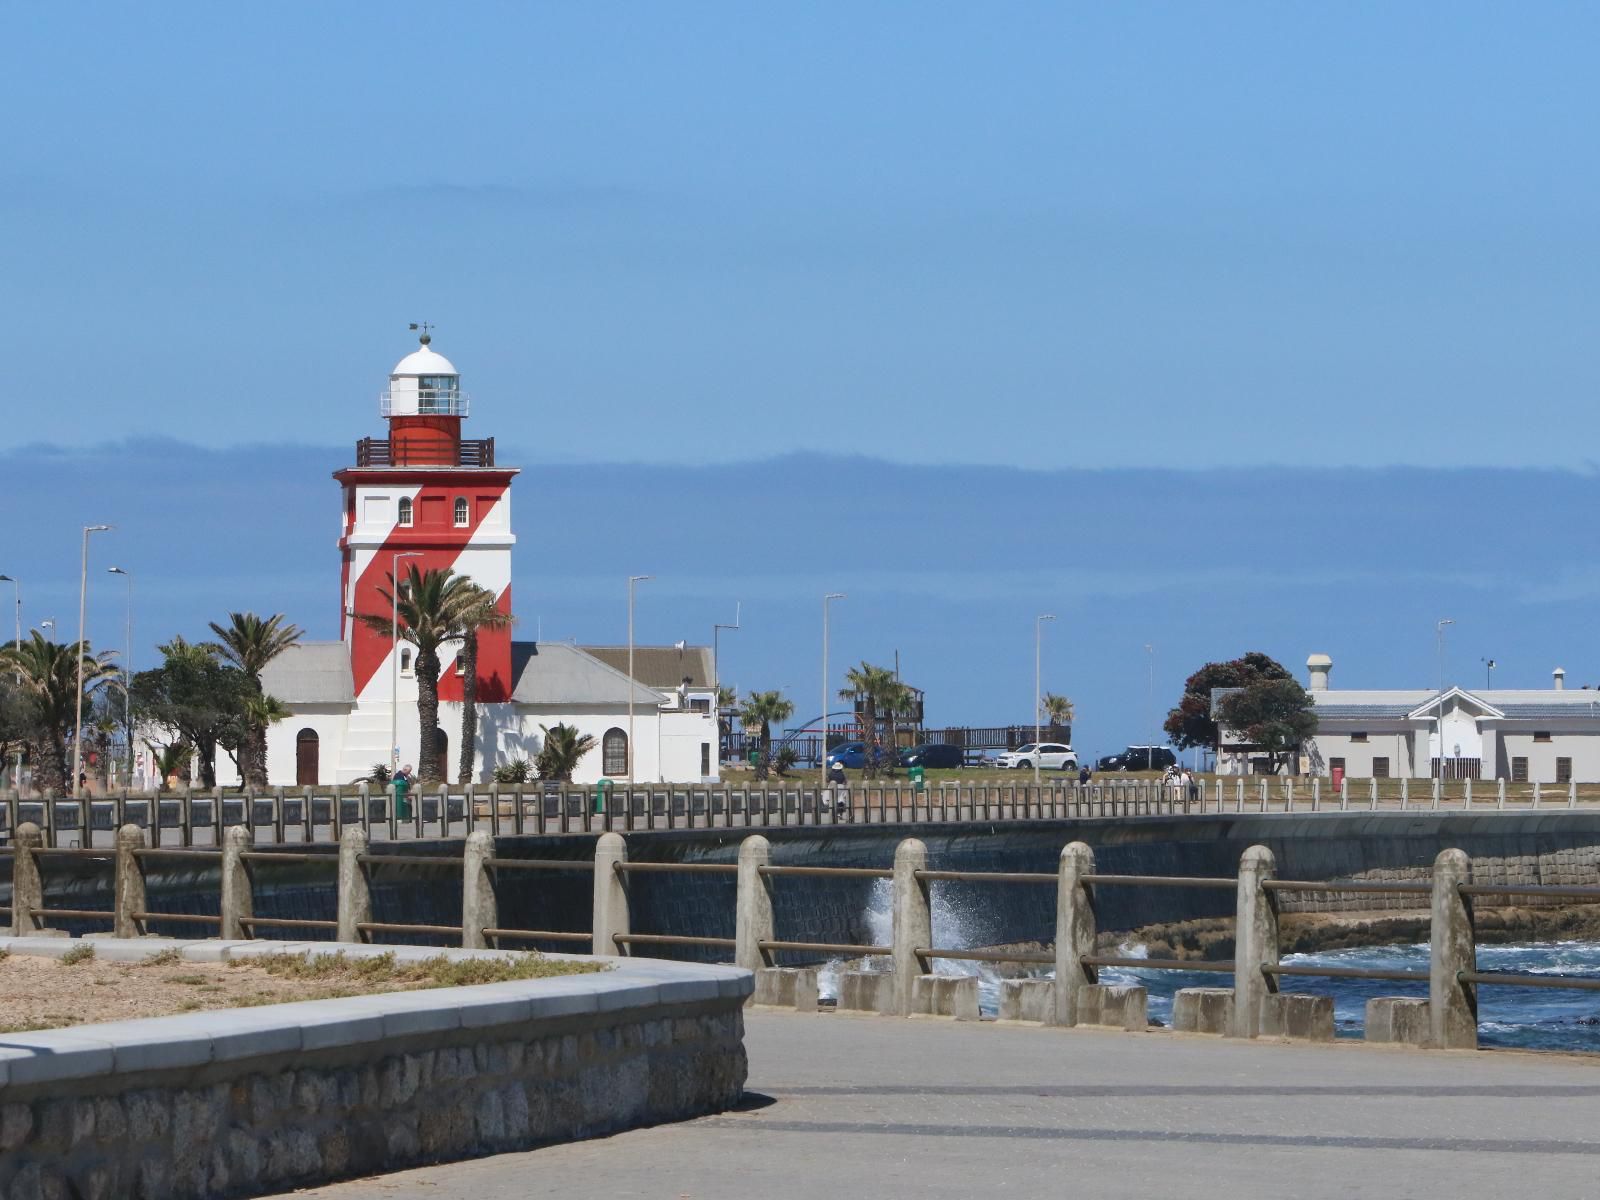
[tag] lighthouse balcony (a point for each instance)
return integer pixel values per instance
(387, 452)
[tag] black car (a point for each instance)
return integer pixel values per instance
(932, 755)
(1139, 758)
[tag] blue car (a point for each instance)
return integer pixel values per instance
(853, 755)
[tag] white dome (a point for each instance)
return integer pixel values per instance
(423, 362)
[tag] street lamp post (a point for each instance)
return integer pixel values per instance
(1150, 703)
(50, 624)
(127, 674)
(1438, 628)
(16, 586)
(1488, 674)
(632, 581)
(1038, 684)
(394, 656)
(822, 735)
(77, 724)
(716, 645)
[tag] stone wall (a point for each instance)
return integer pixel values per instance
(415, 1079)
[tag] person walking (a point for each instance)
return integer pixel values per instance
(402, 785)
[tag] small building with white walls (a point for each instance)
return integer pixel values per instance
(1522, 736)
(428, 497)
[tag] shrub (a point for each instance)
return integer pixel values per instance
(81, 953)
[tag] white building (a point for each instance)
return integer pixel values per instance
(1522, 736)
(426, 497)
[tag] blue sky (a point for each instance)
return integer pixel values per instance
(1166, 234)
(1160, 257)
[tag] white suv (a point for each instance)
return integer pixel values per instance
(1051, 756)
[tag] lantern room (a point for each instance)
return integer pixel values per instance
(424, 405)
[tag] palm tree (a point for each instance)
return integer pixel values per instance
(170, 762)
(896, 701)
(873, 687)
(429, 605)
(727, 709)
(250, 643)
(480, 611)
(761, 711)
(49, 685)
(1057, 709)
(564, 747)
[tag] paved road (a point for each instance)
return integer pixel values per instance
(874, 1106)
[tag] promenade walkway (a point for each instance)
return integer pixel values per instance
(871, 1106)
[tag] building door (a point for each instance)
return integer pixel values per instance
(441, 750)
(306, 751)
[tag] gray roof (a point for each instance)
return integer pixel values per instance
(311, 673)
(660, 667)
(1356, 712)
(557, 673)
(1512, 704)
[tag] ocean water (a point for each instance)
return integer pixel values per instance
(1513, 1017)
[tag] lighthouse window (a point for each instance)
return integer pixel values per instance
(405, 510)
(436, 394)
(405, 660)
(463, 511)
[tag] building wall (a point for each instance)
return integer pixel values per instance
(327, 720)
(1583, 747)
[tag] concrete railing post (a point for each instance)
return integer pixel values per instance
(1572, 793)
(128, 884)
(355, 886)
(1500, 792)
(479, 910)
(1255, 941)
(753, 906)
(610, 894)
(913, 923)
(238, 892)
(1075, 929)
(1344, 794)
(27, 888)
(1405, 792)
(1452, 1004)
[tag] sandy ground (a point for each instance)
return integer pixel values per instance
(44, 993)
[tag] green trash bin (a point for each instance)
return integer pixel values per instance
(917, 784)
(602, 793)
(402, 806)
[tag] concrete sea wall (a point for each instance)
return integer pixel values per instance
(239, 1102)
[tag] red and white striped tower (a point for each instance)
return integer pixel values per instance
(424, 490)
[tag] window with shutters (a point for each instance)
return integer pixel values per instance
(1563, 770)
(1380, 768)
(1358, 737)
(1519, 770)
(705, 759)
(1541, 735)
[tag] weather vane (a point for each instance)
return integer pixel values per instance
(424, 326)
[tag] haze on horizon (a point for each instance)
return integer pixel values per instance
(1048, 235)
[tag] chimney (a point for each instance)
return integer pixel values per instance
(1319, 665)
(1560, 678)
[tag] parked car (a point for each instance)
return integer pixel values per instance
(1051, 756)
(1139, 758)
(932, 755)
(854, 755)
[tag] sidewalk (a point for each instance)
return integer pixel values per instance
(925, 1108)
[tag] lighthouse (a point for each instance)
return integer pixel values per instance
(424, 497)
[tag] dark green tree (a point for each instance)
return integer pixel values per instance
(1276, 714)
(47, 700)
(200, 700)
(1190, 723)
(763, 710)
